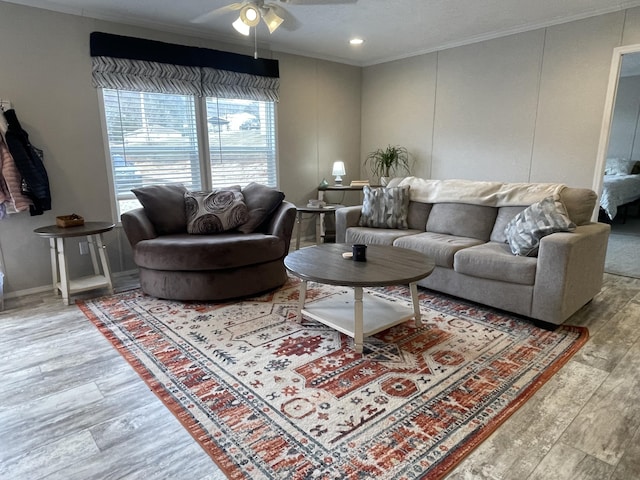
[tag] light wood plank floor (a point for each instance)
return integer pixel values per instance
(72, 408)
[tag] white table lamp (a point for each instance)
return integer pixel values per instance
(338, 171)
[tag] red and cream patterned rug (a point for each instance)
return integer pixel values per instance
(269, 398)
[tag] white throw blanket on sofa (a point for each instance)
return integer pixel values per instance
(495, 194)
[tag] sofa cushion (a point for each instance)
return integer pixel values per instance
(217, 211)
(505, 215)
(385, 207)
(542, 218)
(440, 247)
(208, 252)
(462, 220)
(376, 236)
(164, 206)
(261, 202)
(494, 261)
(418, 215)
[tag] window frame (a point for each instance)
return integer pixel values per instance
(204, 156)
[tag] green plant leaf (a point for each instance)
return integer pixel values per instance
(385, 161)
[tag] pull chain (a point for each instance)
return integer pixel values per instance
(255, 48)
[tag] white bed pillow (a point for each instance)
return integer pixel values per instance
(619, 166)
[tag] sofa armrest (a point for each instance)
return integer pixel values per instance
(569, 272)
(137, 226)
(282, 221)
(346, 217)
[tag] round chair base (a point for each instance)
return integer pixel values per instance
(216, 285)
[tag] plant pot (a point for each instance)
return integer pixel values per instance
(384, 181)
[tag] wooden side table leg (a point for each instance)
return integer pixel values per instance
(416, 303)
(92, 251)
(54, 265)
(302, 296)
(64, 270)
(298, 229)
(319, 228)
(102, 251)
(358, 334)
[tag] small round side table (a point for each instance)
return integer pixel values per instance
(59, 268)
(320, 211)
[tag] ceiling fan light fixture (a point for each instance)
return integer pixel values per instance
(250, 15)
(241, 27)
(272, 19)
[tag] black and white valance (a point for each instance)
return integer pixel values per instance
(225, 84)
(128, 63)
(139, 75)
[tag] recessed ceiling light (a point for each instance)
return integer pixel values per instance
(356, 41)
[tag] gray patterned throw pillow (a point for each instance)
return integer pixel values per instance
(216, 211)
(526, 229)
(385, 207)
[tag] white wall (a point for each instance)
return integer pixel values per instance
(526, 107)
(485, 109)
(397, 108)
(45, 70)
(318, 123)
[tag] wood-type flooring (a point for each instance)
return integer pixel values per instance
(72, 408)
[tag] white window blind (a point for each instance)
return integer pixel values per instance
(241, 142)
(153, 139)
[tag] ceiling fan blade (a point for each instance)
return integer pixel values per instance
(206, 17)
(317, 2)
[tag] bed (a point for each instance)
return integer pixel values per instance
(621, 186)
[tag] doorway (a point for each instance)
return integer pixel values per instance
(619, 160)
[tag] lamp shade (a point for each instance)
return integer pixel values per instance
(338, 168)
(272, 19)
(241, 27)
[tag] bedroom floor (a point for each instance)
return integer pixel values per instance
(623, 251)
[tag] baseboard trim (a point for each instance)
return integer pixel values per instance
(44, 288)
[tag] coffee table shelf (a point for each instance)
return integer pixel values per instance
(378, 314)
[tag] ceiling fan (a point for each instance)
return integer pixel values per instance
(273, 15)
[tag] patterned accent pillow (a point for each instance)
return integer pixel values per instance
(526, 229)
(385, 207)
(214, 212)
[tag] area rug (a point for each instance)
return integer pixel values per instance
(270, 398)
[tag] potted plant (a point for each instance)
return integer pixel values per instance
(386, 161)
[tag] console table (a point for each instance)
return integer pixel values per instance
(59, 267)
(337, 188)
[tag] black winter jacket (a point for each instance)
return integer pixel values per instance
(28, 160)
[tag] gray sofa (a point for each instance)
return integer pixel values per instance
(177, 265)
(461, 224)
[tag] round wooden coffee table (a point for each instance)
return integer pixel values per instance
(352, 316)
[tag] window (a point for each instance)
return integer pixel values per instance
(159, 138)
(241, 142)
